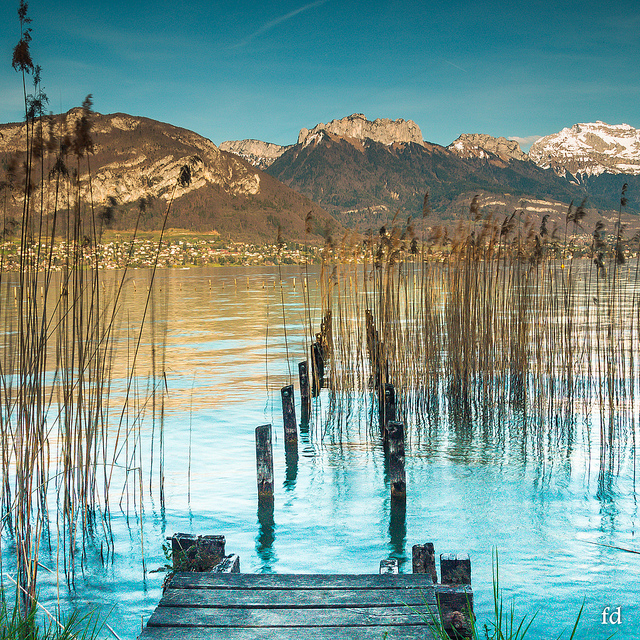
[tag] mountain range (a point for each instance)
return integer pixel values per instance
(350, 173)
(363, 171)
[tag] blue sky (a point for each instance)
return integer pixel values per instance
(265, 69)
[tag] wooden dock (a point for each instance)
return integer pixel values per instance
(241, 606)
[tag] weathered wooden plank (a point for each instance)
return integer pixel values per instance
(285, 633)
(300, 581)
(341, 617)
(302, 598)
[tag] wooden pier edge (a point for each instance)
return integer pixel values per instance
(221, 603)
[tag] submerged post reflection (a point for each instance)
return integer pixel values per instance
(266, 535)
(398, 527)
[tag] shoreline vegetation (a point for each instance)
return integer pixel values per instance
(179, 248)
(188, 250)
(69, 451)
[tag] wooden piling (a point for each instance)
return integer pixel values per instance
(180, 542)
(289, 417)
(317, 368)
(387, 409)
(264, 462)
(455, 568)
(397, 475)
(455, 605)
(305, 397)
(424, 560)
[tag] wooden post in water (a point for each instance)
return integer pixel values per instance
(387, 409)
(230, 564)
(289, 418)
(264, 462)
(424, 559)
(305, 396)
(397, 475)
(317, 368)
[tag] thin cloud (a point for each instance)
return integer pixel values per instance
(455, 65)
(274, 23)
(524, 141)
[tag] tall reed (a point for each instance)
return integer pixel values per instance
(57, 347)
(500, 327)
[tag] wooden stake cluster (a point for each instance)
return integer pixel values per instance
(454, 595)
(190, 552)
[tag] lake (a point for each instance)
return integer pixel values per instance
(220, 334)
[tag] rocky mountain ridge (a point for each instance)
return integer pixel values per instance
(357, 126)
(259, 154)
(477, 145)
(608, 157)
(137, 159)
(586, 149)
(366, 183)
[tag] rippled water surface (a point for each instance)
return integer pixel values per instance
(225, 361)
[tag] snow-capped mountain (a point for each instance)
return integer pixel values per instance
(590, 149)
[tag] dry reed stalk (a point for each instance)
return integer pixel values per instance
(498, 325)
(56, 353)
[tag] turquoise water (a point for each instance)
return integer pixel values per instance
(474, 491)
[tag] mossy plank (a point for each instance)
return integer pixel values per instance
(300, 598)
(300, 581)
(292, 617)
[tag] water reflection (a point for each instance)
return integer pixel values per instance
(266, 536)
(398, 528)
(481, 473)
(291, 460)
